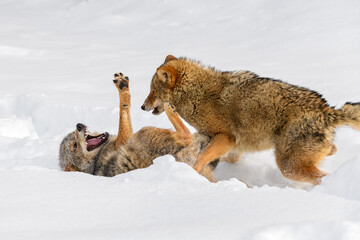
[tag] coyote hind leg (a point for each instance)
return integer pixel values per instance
(299, 163)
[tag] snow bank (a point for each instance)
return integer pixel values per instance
(344, 182)
(155, 203)
(164, 169)
(323, 230)
(18, 127)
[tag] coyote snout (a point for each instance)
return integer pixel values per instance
(152, 103)
(161, 88)
(80, 127)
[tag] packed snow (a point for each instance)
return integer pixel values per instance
(57, 61)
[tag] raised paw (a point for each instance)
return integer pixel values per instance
(169, 108)
(122, 84)
(121, 81)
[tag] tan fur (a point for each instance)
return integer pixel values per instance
(219, 145)
(243, 112)
(125, 127)
(351, 115)
(128, 151)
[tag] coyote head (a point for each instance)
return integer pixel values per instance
(161, 87)
(79, 148)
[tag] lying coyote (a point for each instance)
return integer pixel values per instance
(107, 155)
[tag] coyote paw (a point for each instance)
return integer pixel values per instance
(122, 84)
(121, 81)
(169, 108)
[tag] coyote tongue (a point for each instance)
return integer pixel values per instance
(95, 141)
(92, 143)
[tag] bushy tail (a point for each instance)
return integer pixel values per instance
(350, 115)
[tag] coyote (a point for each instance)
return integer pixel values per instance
(108, 155)
(242, 112)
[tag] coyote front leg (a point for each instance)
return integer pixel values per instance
(219, 145)
(182, 135)
(125, 129)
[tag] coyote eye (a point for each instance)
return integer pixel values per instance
(75, 146)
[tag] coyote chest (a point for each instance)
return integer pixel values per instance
(202, 113)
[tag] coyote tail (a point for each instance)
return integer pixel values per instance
(350, 115)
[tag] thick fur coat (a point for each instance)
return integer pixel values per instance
(243, 112)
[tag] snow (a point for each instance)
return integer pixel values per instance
(57, 60)
(167, 200)
(347, 187)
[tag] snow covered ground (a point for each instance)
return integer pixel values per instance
(57, 59)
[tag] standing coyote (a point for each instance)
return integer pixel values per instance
(243, 112)
(107, 155)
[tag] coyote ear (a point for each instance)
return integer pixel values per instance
(167, 75)
(169, 58)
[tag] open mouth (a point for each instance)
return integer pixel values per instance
(156, 111)
(95, 141)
